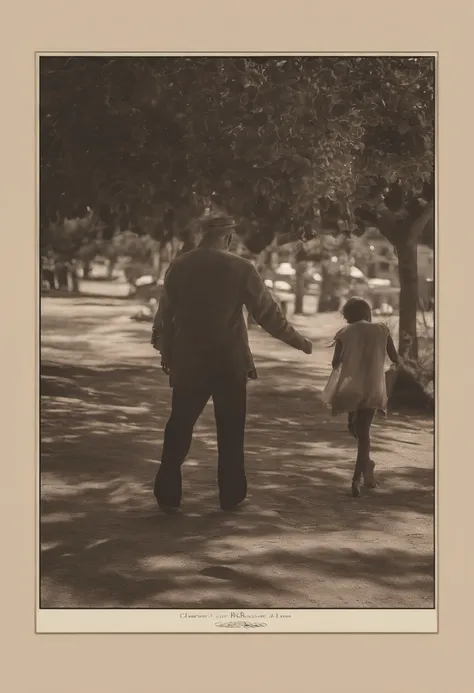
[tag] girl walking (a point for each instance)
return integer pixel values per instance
(359, 388)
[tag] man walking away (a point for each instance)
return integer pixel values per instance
(201, 333)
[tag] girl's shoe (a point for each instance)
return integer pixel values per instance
(369, 479)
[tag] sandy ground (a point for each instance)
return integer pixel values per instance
(301, 541)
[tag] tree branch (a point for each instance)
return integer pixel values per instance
(382, 218)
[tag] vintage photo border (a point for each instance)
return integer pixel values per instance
(238, 619)
(121, 663)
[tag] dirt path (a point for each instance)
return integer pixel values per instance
(300, 542)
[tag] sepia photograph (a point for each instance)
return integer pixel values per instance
(237, 281)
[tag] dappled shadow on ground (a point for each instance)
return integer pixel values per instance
(301, 541)
(104, 543)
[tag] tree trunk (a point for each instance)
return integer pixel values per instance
(110, 269)
(408, 274)
(405, 242)
(74, 281)
(328, 299)
(73, 276)
(63, 278)
(300, 288)
(86, 268)
(156, 261)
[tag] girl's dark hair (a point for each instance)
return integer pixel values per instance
(357, 309)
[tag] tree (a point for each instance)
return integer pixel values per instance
(395, 171)
(289, 146)
(388, 119)
(331, 251)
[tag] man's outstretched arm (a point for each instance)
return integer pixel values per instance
(267, 313)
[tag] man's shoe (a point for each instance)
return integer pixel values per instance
(229, 507)
(169, 509)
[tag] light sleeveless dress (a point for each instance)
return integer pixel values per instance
(361, 383)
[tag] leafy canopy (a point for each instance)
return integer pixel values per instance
(287, 145)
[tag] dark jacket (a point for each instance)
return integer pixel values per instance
(200, 328)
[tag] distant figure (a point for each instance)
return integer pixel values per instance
(201, 333)
(360, 389)
(62, 275)
(47, 272)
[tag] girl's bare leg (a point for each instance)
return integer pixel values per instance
(368, 472)
(369, 478)
(357, 477)
(351, 423)
(364, 465)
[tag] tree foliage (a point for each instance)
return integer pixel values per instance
(277, 142)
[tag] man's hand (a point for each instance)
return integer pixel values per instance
(307, 346)
(164, 367)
